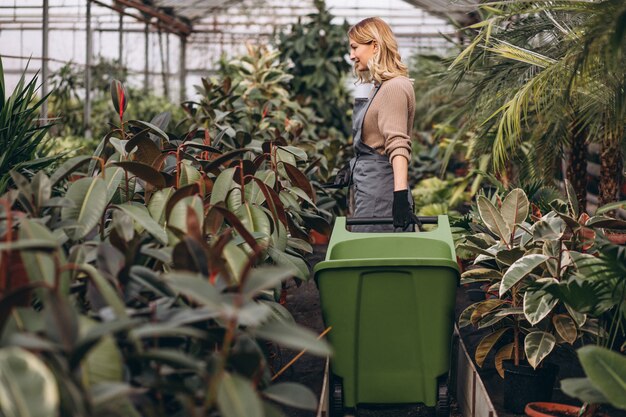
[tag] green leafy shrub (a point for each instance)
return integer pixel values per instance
(22, 135)
(141, 280)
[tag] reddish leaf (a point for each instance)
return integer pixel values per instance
(239, 227)
(191, 255)
(248, 171)
(209, 166)
(273, 202)
(147, 151)
(202, 146)
(185, 191)
(193, 225)
(118, 96)
(295, 230)
(299, 180)
(143, 171)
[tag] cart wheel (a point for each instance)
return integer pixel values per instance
(442, 409)
(335, 403)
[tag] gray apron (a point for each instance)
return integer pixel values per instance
(372, 176)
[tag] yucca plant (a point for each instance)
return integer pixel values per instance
(21, 131)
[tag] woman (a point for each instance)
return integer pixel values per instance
(381, 129)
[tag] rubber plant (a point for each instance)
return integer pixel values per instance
(148, 290)
(518, 259)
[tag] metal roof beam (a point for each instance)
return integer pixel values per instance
(176, 25)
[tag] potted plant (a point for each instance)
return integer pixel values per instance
(517, 258)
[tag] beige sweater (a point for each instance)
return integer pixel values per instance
(389, 120)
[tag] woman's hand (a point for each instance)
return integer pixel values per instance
(402, 211)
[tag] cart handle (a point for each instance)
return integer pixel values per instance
(353, 221)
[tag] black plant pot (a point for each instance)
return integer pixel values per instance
(523, 384)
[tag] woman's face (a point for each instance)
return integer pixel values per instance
(360, 53)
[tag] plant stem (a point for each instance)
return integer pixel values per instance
(229, 336)
(516, 348)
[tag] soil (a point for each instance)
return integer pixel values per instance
(304, 304)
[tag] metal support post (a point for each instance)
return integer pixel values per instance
(88, 63)
(182, 70)
(146, 52)
(120, 45)
(44, 59)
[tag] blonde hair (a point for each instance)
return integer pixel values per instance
(386, 62)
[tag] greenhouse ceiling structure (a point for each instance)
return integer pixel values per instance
(168, 45)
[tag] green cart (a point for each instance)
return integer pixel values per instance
(389, 298)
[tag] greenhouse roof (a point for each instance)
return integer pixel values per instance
(459, 10)
(178, 16)
(174, 15)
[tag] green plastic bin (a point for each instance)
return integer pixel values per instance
(389, 298)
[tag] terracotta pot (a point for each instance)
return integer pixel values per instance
(548, 409)
(317, 238)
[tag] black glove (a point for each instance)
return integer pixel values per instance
(402, 211)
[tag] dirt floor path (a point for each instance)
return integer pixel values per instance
(304, 304)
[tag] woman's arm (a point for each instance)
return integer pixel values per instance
(400, 167)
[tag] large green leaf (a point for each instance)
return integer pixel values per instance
(90, 199)
(104, 362)
(550, 227)
(297, 265)
(157, 204)
(263, 278)
(223, 184)
(565, 327)
(519, 270)
(506, 352)
(114, 179)
(141, 215)
(237, 398)
(482, 274)
(254, 220)
(152, 128)
(40, 266)
(176, 358)
(41, 188)
(606, 222)
(486, 344)
(27, 387)
(188, 174)
(293, 336)
(607, 371)
(515, 208)
(178, 215)
(611, 206)
(537, 346)
(538, 304)
(196, 287)
(292, 394)
(493, 219)
(105, 288)
(254, 194)
(68, 167)
(583, 389)
(236, 260)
